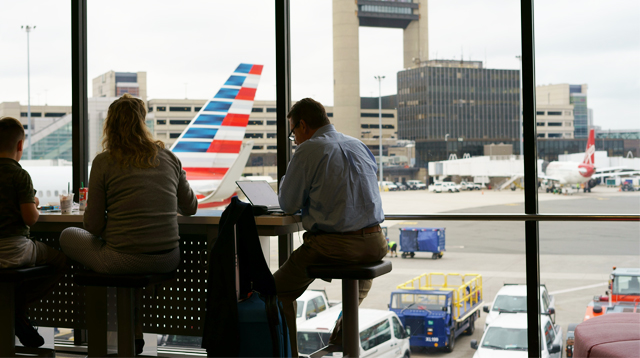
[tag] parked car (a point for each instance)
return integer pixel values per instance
(390, 186)
(512, 298)
(450, 187)
(507, 337)
(310, 304)
(381, 334)
(464, 185)
(401, 186)
(416, 185)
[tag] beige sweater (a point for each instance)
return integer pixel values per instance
(133, 209)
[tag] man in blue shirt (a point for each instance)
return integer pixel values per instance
(332, 178)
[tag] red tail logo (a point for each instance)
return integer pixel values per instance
(589, 155)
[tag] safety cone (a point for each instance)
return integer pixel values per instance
(482, 191)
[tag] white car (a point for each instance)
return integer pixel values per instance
(448, 187)
(469, 186)
(310, 304)
(506, 337)
(436, 187)
(381, 334)
(389, 185)
(416, 184)
(513, 299)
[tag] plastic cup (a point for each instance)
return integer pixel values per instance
(66, 203)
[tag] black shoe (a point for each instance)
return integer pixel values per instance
(27, 335)
(139, 346)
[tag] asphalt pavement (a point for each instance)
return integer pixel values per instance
(575, 257)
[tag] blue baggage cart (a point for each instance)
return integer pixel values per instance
(422, 239)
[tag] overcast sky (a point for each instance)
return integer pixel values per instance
(188, 49)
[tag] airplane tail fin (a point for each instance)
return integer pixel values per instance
(212, 142)
(227, 186)
(589, 155)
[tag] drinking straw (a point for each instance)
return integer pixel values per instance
(68, 188)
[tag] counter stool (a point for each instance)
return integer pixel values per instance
(96, 307)
(350, 274)
(9, 279)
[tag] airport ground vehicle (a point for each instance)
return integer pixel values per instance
(401, 186)
(310, 304)
(449, 187)
(381, 333)
(469, 186)
(435, 308)
(422, 239)
(389, 186)
(416, 185)
(623, 296)
(507, 337)
(512, 298)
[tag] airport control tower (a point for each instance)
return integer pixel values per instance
(409, 15)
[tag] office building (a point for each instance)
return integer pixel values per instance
(554, 121)
(566, 94)
(169, 117)
(115, 84)
(457, 107)
(348, 16)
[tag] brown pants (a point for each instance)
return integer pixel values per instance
(292, 281)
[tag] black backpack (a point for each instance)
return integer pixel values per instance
(243, 315)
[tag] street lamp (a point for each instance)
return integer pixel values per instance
(28, 29)
(446, 146)
(520, 107)
(380, 78)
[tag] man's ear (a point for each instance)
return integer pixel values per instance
(20, 145)
(303, 126)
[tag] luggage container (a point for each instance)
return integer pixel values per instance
(422, 239)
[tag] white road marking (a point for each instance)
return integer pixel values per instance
(578, 288)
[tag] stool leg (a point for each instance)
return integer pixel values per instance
(96, 306)
(7, 322)
(126, 333)
(350, 331)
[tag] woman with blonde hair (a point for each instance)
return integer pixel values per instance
(135, 189)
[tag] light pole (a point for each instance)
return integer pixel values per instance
(520, 107)
(28, 29)
(380, 78)
(446, 146)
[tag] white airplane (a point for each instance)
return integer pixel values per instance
(210, 148)
(568, 173)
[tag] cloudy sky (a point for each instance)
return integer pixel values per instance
(189, 50)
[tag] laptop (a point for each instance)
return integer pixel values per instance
(261, 195)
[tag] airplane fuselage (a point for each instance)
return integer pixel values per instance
(570, 172)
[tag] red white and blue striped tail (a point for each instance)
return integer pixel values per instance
(210, 146)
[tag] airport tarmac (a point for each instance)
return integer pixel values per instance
(575, 257)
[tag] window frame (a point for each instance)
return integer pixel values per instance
(531, 216)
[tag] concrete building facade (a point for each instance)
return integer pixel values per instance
(115, 84)
(169, 117)
(566, 94)
(554, 121)
(348, 16)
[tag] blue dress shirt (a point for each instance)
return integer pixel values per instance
(332, 178)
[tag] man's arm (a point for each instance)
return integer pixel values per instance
(294, 187)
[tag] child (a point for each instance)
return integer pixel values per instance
(18, 210)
